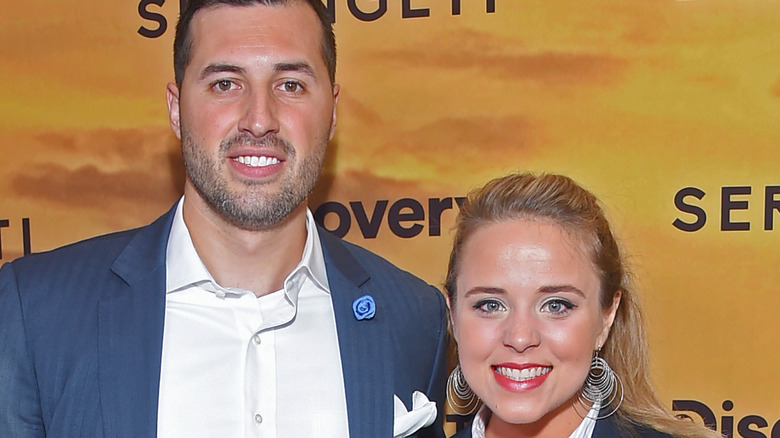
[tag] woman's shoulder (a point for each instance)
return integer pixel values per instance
(605, 428)
(610, 427)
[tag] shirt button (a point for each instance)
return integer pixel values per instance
(256, 338)
(258, 418)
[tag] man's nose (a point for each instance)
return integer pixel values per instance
(259, 114)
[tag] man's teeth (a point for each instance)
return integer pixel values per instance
(524, 374)
(255, 161)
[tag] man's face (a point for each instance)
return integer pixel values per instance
(255, 111)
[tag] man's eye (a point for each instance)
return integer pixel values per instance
(292, 87)
(224, 85)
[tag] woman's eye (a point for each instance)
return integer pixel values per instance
(557, 306)
(489, 306)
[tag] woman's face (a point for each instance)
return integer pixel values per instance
(527, 319)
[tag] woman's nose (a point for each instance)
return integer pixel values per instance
(521, 332)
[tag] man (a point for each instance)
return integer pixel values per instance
(233, 314)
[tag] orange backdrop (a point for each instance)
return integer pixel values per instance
(668, 110)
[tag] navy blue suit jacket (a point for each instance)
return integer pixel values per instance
(605, 428)
(81, 337)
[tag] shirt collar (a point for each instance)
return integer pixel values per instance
(185, 268)
(584, 430)
(479, 422)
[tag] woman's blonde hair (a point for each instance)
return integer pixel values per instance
(560, 200)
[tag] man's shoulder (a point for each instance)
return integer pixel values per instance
(101, 247)
(379, 277)
(463, 433)
(350, 255)
(97, 250)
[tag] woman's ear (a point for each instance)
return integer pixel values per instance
(609, 319)
(451, 315)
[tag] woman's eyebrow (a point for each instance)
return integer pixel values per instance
(561, 288)
(485, 290)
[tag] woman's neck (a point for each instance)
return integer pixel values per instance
(559, 423)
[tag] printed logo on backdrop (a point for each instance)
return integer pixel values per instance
(23, 227)
(406, 217)
(749, 426)
(733, 200)
(156, 24)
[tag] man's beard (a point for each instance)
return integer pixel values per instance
(251, 208)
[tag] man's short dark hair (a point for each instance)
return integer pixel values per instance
(182, 43)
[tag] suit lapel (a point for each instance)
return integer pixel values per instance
(365, 357)
(130, 328)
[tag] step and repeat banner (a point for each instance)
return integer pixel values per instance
(668, 110)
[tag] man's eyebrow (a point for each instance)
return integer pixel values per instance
(301, 67)
(220, 68)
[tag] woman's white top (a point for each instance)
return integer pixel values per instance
(584, 430)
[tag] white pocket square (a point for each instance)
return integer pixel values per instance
(405, 422)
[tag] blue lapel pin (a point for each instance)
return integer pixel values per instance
(364, 307)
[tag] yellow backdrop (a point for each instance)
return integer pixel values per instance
(668, 110)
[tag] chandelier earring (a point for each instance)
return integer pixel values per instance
(460, 398)
(602, 386)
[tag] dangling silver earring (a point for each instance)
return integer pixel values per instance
(601, 386)
(460, 398)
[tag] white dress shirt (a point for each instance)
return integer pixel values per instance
(584, 430)
(234, 365)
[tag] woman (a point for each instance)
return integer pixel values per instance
(541, 308)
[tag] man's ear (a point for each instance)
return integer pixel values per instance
(333, 118)
(174, 115)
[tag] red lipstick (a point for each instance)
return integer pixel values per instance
(519, 378)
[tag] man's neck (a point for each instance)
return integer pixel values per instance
(258, 261)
